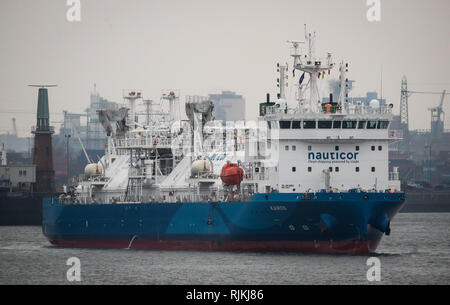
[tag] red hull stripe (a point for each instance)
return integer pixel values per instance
(360, 247)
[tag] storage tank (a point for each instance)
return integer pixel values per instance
(375, 104)
(93, 169)
(200, 166)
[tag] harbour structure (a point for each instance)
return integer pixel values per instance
(42, 152)
(23, 186)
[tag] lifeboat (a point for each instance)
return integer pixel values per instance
(232, 174)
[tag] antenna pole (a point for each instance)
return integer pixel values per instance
(381, 85)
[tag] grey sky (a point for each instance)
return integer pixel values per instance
(203, 47)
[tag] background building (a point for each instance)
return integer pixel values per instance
(228, 106)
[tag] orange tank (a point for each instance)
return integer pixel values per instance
(232, 174)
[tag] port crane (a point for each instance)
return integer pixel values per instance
(437, 119)
(437, 109)
(437, 113)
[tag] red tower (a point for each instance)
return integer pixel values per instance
(43, 157)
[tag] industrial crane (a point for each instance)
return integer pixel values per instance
(438, 111)
(437, 115)
(438, 119)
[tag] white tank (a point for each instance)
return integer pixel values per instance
(93, 169)
(375, 104)
(200, 166)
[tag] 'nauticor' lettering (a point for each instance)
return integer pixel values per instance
(332, 156)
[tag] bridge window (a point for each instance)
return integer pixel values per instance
(294, 169)
(337, 124)
(325, 124)
(296, 124)
(285, 124)
(362, 124)
(380, 148)
(336, 169)
(309, 124)
(373, 169)
(357, 169)
(373, 148)
(286, 147)
(383, 125)
(371, 124)
(357, 148)
(294, 148)
(309, 147)
(310, 169)
(336, 148)
(349, 125)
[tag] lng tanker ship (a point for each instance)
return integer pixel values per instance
(305, 177)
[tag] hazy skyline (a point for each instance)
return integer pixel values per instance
(202, 47)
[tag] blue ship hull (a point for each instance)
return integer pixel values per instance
(315, 223)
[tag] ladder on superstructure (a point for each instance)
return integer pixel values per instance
(133, 192)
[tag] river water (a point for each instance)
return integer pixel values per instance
(417, 252)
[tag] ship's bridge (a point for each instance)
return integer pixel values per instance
(353, 125)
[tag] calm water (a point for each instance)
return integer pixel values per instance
(417, 252)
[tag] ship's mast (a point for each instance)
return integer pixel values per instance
(296, 54)
(314, 67)
(282, 80)
(343, 84)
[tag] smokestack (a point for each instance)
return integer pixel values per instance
(268, 97)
